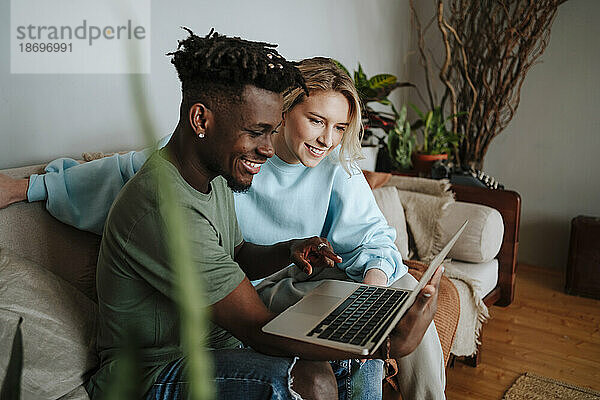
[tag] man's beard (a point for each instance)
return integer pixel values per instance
(236, 186)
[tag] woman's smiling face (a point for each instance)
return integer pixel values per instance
(313, 128)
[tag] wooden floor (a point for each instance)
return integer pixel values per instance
(544, 331)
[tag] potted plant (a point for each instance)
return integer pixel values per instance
(375, 89)
(435, 140)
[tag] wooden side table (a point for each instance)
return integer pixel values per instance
(583, 267)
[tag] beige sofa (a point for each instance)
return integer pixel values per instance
(47, 281)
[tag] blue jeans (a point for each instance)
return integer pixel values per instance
(244, 373)
(357, 380)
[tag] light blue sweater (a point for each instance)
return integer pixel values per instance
(288, 201)
(285, 201)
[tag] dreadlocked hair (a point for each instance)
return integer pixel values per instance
(215, 69)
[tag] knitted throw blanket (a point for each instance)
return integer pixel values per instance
(425, 201)
(473, 313)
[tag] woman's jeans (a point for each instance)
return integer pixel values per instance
(246, 374)
(357, 380)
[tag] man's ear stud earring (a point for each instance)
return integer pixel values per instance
(200, 135)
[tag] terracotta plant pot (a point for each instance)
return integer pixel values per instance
(422, 163)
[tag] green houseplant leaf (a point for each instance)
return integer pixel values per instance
(375, 89)
(188, 288)
(382, 80)
(360, 79)
(341, 66)
(401, 142)
(433, 134)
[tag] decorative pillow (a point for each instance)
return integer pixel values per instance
(59, 328)
(481, 240)
(389, 203)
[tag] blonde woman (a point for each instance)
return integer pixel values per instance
(310, 187)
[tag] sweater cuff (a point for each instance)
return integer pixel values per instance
(382, 264)
(37, 188)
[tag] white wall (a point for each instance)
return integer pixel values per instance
(46, 116)
(549, 152)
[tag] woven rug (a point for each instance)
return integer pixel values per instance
(535, 387)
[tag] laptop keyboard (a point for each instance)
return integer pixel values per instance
(359, 316)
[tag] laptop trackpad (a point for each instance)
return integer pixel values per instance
(316, 304)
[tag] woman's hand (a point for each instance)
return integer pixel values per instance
(12, 190)
(312, 253)
(375, 277)
(407, 335)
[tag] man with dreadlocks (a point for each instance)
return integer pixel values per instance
(231, 106)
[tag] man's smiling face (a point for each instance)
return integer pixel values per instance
(242, 142)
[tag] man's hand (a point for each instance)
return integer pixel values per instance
(375, 277)
(407, 335)
(312, 253)
(12, 190)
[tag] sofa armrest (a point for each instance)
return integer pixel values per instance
(508, 203)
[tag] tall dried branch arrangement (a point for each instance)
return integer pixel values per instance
(489, 46)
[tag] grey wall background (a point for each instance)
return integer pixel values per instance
(46, 116)
(548, 153)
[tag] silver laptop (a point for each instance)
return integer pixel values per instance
(350, 316)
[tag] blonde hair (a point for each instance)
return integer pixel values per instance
(323, 74)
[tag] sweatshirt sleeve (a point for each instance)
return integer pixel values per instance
(81, 194)
(358, 231)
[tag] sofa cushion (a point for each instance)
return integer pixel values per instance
(482, 238)
(30, 231)
(389, 203)
(482, 277)
(59, 327)
(9, 321)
